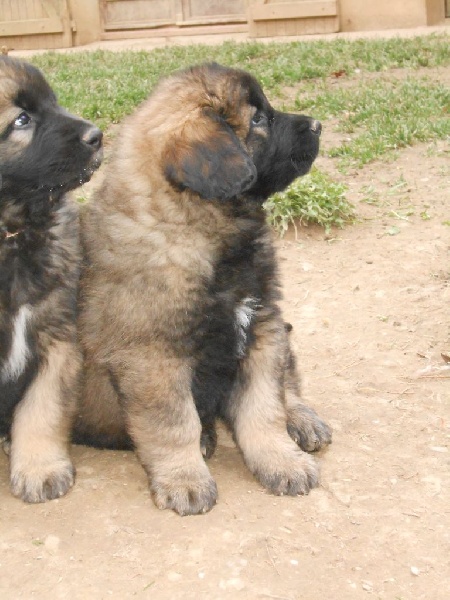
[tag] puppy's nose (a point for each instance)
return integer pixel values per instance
(316, 126)
(93, 137)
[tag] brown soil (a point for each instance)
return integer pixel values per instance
(369, 307)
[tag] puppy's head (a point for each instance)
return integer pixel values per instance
(41, 144)
(227, 140)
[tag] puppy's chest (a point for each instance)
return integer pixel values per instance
(23, 267)
(245, 313)
(21, 282)
(238, 292)
(26, 266)
(15, 348)
(227, 325)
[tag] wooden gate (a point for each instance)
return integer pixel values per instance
(30, 24)
(175, 17)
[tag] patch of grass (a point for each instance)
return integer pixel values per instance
(105, 86)
(383, 116)
(314, 198)
(379, 116)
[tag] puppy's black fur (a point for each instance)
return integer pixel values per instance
(247, 267)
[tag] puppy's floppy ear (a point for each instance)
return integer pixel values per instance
(208, 158)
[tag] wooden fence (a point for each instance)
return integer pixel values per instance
(31, 24)
(64, 23)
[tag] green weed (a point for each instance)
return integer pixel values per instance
(314, 198)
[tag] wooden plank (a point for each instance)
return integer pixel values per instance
(138, 10)
(47, 41)
(31, 27)
(66, 23)
(198, 9)
(116, 25)
(225, 19)
(125, 25)
(175, 31)
(293, 10)
(50, 8)
(308, 26)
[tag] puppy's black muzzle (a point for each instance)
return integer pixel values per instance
(288, 152)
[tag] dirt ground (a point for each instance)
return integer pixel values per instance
(369, 306)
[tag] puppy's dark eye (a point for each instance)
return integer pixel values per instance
(22, 120)
(259, 118)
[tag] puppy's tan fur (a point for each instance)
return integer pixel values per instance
(167, 278)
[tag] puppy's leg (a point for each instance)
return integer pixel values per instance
(258, 417)
(39, 461)
(304, 425)
(100, 419)
(165, 428)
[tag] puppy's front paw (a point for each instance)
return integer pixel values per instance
(293, 474)
(37, 482)
(187, 493)
(280, 466)
(307, 429)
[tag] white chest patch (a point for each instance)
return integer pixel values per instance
(244, 312)
(16, 362)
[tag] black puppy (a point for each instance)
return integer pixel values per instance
(44, 153)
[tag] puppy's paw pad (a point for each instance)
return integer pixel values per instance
(36, 484)
(186, 496)
(307, 429)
